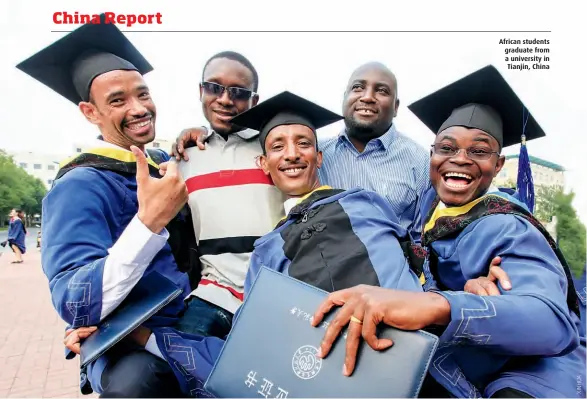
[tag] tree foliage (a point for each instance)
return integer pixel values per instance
(570, 231)
(18, 189)
(545, 207)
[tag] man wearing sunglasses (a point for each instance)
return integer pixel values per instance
(369, 152)
(233, 201)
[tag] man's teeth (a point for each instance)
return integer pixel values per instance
(368, 111)
(294, 170)
(463, 175)
(455, 180)
(452, 185)
(135, 126)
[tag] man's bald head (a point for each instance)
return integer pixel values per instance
(370, 102)
(374, 66)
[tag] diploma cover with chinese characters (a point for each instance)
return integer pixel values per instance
(151, 294)
(271, 350)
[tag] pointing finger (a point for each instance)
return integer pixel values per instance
(142, 165)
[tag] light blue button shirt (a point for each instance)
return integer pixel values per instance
(393, 165)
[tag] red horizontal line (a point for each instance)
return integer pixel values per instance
(227, 178)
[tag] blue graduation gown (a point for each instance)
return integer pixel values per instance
(84, 214)
(358, 244)
(16, 234)
(356, 238)
(526, 338)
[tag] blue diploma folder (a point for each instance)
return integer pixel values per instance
(151, 294)
(271, 350)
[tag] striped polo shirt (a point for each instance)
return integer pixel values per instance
(233, 203)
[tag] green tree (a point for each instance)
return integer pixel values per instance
(545, 205)
(570, 232)
(18, 189)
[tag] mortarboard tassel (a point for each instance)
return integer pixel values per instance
(525, 183)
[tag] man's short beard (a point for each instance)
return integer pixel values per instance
(364, 132)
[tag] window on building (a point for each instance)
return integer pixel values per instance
(155, 144)
(50, 181)
(78, 150)
(37, 166)
(23, 165)
(50, 167)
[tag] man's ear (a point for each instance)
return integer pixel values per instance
(254, 100)
(319, 159)
(90, 112)
(396, 108)
(499, 165)
(201, 91)
(263, 164)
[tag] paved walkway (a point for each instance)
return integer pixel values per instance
(32, 362)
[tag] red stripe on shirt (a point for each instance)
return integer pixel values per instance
(235, 293)
(227, 178)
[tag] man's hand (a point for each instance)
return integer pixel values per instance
(366, 306)
(186, 139)
(140, 335)
(486, 286)
(163, 168)
(73, 338)
(159, 199)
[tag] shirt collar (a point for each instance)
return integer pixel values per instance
(385, 139)
(291, 202)
(247, 134)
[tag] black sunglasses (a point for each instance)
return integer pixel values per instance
(235, 93)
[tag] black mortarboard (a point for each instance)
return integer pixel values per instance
(481, 100)
(285, 109)
(69, 65)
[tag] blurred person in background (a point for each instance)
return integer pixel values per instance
(16, 234)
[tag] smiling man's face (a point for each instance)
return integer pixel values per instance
(292, 160)
(220, 109)
(460, 179)
(370, 102)
(121, 106)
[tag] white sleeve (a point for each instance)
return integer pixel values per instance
(128, 259)
(152, 347)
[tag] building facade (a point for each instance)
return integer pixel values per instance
(45, 166)
(544, 173)
(42, 166)
(157, 143)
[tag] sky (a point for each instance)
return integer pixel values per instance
(311, 49)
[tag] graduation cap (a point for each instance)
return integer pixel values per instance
(484, 100)
(69, 65)
(285, 109)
